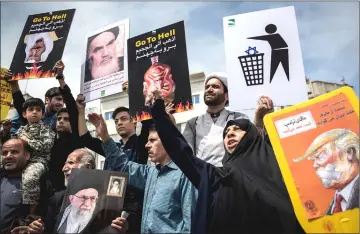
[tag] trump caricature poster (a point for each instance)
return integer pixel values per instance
(263, 57)
(93, 199)
(159, 58)
(41, 44)
(317, 147)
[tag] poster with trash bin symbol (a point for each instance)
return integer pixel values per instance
(263, 57)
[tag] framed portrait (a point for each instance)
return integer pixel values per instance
(116, 186)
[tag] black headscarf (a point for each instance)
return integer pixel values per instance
(252, 197)
(253, 155)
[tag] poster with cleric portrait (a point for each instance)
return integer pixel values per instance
(93, 199)
(41, 44)
(159, 58)
(105, 62)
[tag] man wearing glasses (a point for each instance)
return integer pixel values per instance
(78, 214)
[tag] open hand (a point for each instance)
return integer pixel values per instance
(100, 125)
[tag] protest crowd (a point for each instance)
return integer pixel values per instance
(219, 175)
(219, 191)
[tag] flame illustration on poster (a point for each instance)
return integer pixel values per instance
(322, 172)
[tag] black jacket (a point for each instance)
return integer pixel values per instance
(248, 191)
(65, 143)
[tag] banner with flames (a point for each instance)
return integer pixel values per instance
(158, 58)
(41, 44)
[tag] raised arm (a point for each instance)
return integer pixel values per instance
(175, 144)
(68, 97)
(86, 139)
(117, 159)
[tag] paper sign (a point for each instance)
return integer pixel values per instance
(319, 160)
(263, 57)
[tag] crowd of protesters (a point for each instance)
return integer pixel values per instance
(219, 176)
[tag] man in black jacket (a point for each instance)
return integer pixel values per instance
(67, 139)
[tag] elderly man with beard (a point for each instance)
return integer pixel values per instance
(203, 133)
(102, 57)
(78, 214)
(336, 161)
(80, 158)
(129, 145)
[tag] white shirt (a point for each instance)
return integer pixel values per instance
(346, 194)
(209, 137)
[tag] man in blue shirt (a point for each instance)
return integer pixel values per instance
(169, 199)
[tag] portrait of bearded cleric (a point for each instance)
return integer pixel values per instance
(105, 54)
(159, 76)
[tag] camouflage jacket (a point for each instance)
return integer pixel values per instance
(41, 140)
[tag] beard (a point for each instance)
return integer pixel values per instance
(78, 219)
(216, 100)
(328, 174)
(104, 69)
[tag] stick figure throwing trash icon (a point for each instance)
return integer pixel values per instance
(279, 50)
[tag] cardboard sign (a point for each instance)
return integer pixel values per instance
(159, 58)
(317, 147)
(263, 57)
(105, 61)
(93, 199)
(5, 95)
(41, 44)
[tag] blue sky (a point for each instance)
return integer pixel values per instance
(329, 33)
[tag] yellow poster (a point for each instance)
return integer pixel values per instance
(5, 95)
(317, 147)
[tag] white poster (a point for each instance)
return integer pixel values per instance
(105, 61)
(263, 57)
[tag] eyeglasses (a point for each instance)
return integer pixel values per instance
(85, 198)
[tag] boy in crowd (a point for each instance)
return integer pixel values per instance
(40, 139)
